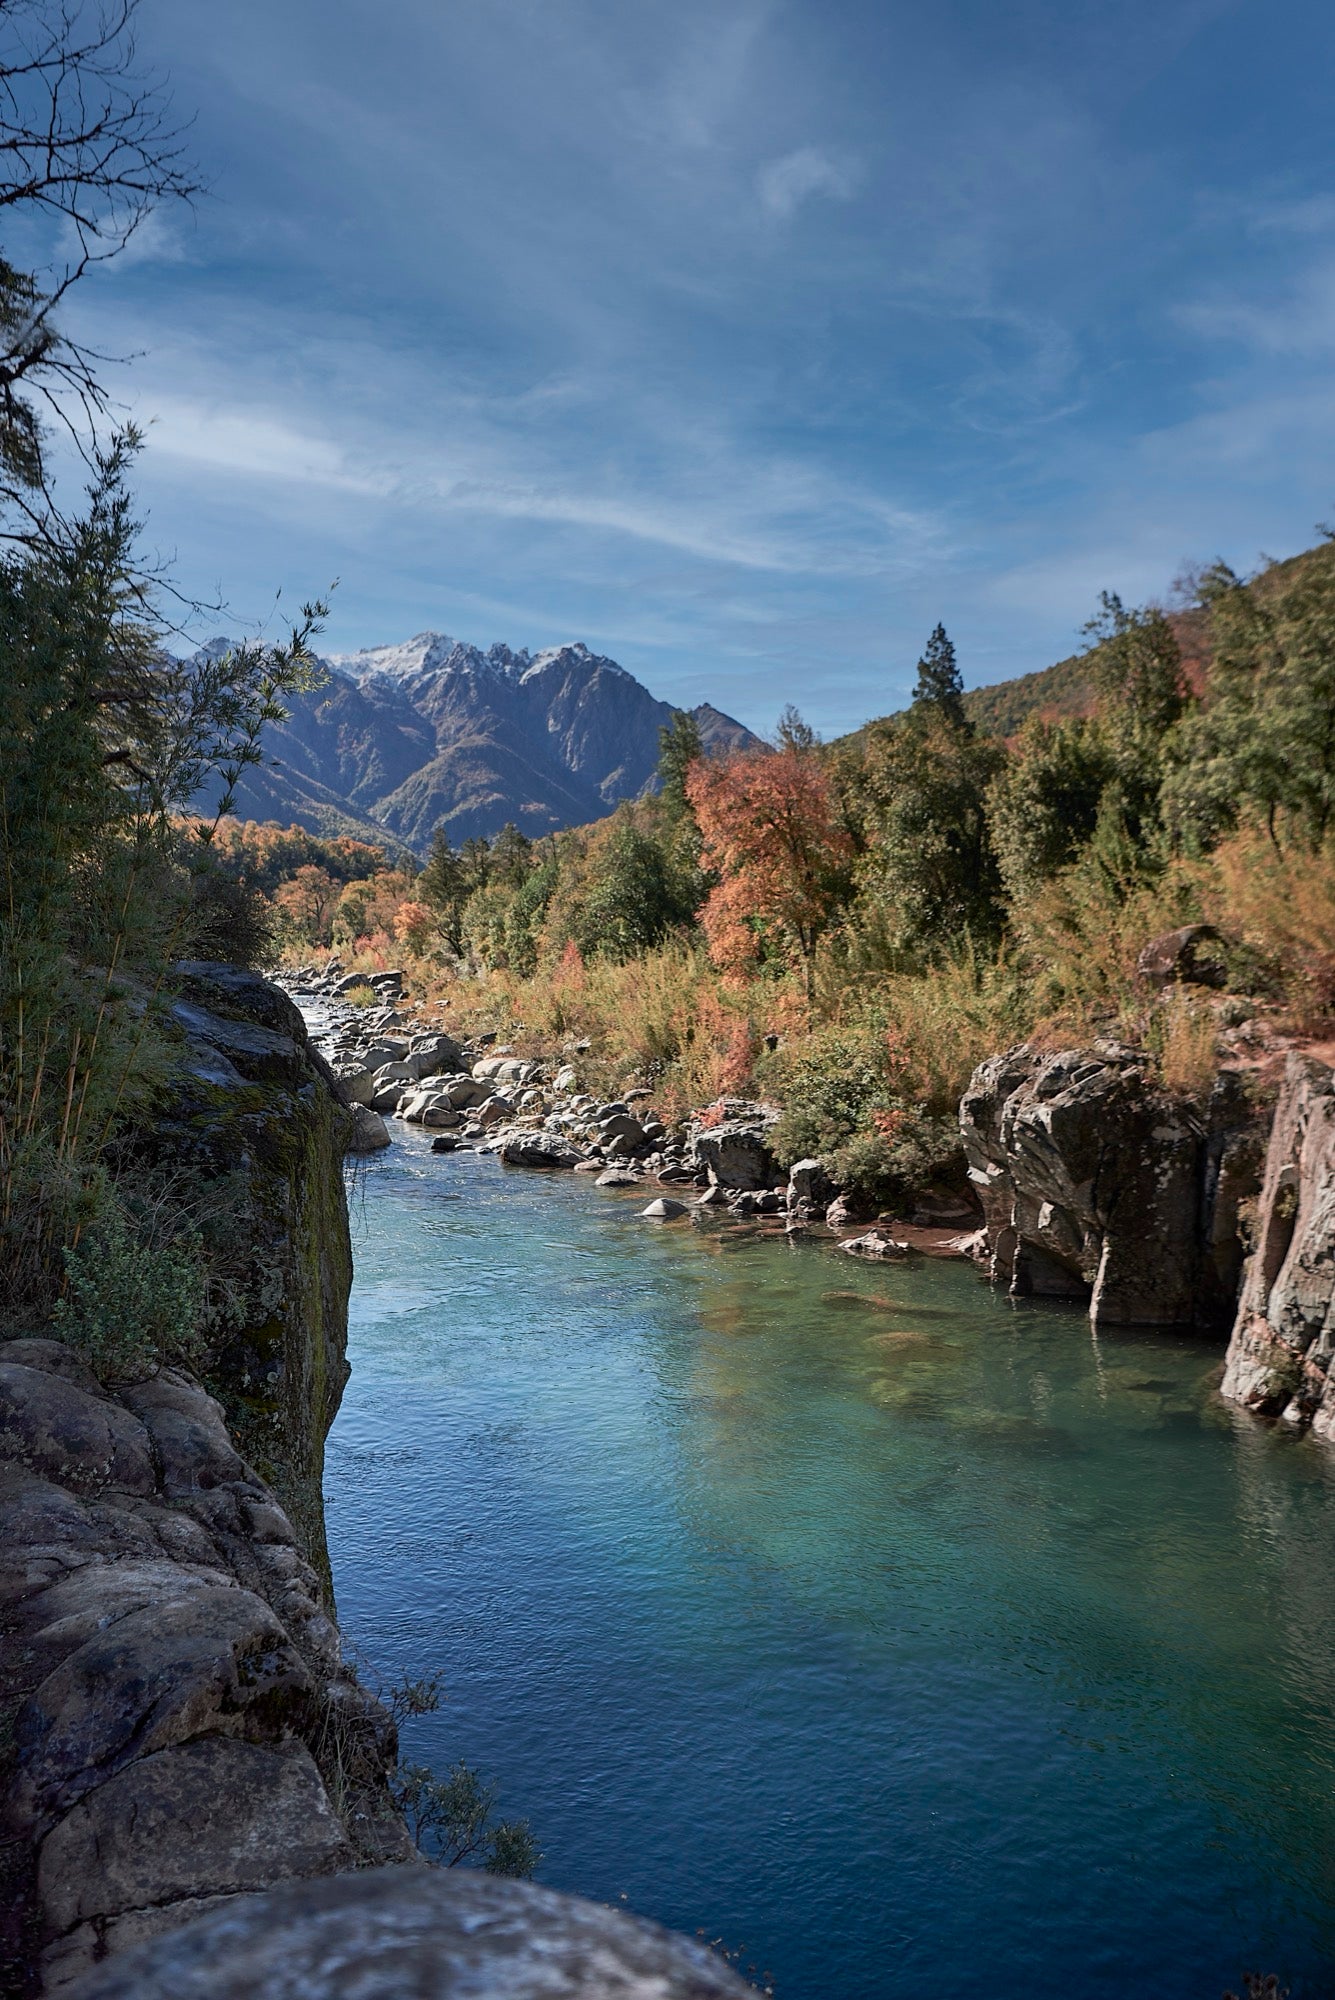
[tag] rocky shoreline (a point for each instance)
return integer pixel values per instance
(475, 1096)
(1089, 1182)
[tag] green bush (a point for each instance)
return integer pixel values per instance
(129, 1304)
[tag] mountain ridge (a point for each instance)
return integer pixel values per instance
(431, 731)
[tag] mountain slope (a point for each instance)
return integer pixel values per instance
(433, 732)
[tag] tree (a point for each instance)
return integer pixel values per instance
(445, 884)
(793, 733)
(679, 747)
(769, 831)
(104, 739)
(940, 685)
(1262, 747)
(88, 144)
(632, 896)
(928, 875)
(1043, 805)
(511, 857)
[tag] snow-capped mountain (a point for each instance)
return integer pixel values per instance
(404, 738)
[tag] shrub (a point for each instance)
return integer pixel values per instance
(130, 1304)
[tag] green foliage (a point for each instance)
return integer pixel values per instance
(1263, 746)
(928, 874)
(446, 883)
(103, 740)
(451, 1820)
(633, 894)
(678, 748)
(940, 684)
(131, 1303)
(1043, 804)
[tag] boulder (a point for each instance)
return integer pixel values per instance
(1280, 1351)
(664, 1209)
(875, 1244)
(538, 1149)
(734, 1154)
(618, 1177)
(406, 1933)
(1190, 956)
(810, 1190)
(370, 1134)
(465, 1091)
(619, 1126)
(493, 1111)
(356, 1083)
(1096, 1184)
(848, 1209)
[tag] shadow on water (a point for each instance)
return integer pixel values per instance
(911, 1636)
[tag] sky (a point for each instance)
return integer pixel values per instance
(741, 340)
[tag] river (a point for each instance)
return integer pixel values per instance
(905, 1638)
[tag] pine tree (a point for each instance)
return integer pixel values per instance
(939, 682)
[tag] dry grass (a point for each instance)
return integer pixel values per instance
(1281, 905)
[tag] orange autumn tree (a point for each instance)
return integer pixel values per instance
(769, 831)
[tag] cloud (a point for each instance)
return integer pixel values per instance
(784, 184)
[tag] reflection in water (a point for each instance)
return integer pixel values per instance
(908, 1637)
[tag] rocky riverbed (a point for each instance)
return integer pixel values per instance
(475, 1095)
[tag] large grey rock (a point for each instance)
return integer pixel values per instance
(538, 1149)
(170, 1677)
(415, 1934)
(810, 1190)
(1280, 1352)
(735, 1153)
(370, 1134)
(211, 1817)
(1095, 1183)
(1190, 956)
(81, 1441)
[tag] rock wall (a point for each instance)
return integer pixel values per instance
(1095, 1184)
(1279, 1354)
(256, 1116)
(181, 1727)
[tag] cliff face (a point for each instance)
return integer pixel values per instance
(257, 1119)
(1279, 1355)
(1097, 1185)
(181, 1726)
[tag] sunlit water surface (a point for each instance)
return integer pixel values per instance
(906, 1639)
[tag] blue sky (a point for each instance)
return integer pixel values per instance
(743, 341)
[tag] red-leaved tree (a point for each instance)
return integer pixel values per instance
(769, 832)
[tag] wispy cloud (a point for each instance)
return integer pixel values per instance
(786, 183)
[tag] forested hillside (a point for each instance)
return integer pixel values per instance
(850, 927)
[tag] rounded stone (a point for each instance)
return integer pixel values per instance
(414, 1934)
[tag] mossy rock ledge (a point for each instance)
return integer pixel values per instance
(257, 1112)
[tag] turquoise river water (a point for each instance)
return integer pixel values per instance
(906, 1639)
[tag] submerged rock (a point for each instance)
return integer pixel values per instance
(877, 1245)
